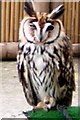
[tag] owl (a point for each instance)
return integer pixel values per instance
(44, 59)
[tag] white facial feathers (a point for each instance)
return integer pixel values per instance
(30, 30)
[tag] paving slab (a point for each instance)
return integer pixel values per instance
(12, 100)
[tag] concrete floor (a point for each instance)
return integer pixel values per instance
(12, 100)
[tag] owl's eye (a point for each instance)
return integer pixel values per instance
(33, 26)
(49, 28)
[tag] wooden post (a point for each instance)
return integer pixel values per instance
(76, 22)
(7, 21)
(0, 22)
(3, 18)
(69, 20)
(65, 16)
(73, 21)
(79, 25)
(16, 25)
(12, 22)
(21, 11)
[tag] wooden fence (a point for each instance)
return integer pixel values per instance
(71, 20)
(12, 14)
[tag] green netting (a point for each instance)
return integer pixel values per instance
(74, 113)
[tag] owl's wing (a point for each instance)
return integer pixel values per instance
(66, 77)
(68, 63)
(25, 79)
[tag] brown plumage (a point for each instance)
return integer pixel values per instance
(45, 62)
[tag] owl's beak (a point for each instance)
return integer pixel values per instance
(40, 37)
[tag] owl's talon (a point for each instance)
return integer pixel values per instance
(46, 109)
(50, 102)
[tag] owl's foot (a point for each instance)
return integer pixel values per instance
(50, 102)
(40, 105)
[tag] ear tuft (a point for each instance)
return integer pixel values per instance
(28, 7)
(57, 12)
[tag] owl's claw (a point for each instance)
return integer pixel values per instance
(46, 109)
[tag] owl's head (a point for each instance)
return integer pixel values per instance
(40, 28)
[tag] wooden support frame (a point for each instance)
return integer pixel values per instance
(8, 51)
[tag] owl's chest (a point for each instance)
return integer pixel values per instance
(40, 58)
(40, 65)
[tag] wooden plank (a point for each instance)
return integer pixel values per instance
(16, 25)
(69, 19)
(21, 11)
(79, 24)
(8, 51)
(7, 20)
(65, 16)
(73, 22)
(0, 22)
(3, 18)
(12, 22)
(76, 22)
